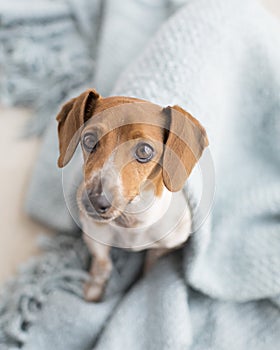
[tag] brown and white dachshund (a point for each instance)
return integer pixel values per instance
(137, 157)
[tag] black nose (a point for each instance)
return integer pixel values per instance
(99, 202)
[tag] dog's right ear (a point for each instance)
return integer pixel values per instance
(71, 118)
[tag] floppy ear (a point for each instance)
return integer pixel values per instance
(184, 146)
(71, 117)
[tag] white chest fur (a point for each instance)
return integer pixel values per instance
(165, 223)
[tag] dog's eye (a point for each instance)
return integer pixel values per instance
(144, 153)
(89, 142)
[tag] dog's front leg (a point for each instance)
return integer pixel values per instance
(100, 270)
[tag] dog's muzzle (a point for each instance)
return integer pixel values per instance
(95, 203)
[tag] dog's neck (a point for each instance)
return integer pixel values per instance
(145, 210)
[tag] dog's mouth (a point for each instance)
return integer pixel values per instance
(112, 214)
(120, 217)
(118, 212)
(105, 218)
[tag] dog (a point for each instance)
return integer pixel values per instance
(133, 150)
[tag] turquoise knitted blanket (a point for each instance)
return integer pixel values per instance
(220, 60)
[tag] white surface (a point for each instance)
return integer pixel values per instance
(273, 6)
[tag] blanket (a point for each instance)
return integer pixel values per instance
(47, 48)
(219, 60)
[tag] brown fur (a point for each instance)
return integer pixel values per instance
(132, 173)
(70, 119)
(178, 140)
(185, 144)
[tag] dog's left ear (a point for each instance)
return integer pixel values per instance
(71, 118)
(184, 145)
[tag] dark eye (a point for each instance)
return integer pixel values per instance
(144, 153)
(89, 142)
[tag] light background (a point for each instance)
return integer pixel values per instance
(17, 232)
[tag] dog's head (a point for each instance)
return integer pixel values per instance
(127, 143)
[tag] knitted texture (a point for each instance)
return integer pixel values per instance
(126, 28)
(219, 60)
(47, 48)
(46, 288)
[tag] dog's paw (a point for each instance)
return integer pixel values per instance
(93, 291)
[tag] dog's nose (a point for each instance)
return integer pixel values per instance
(101, 204)
(98, 202)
